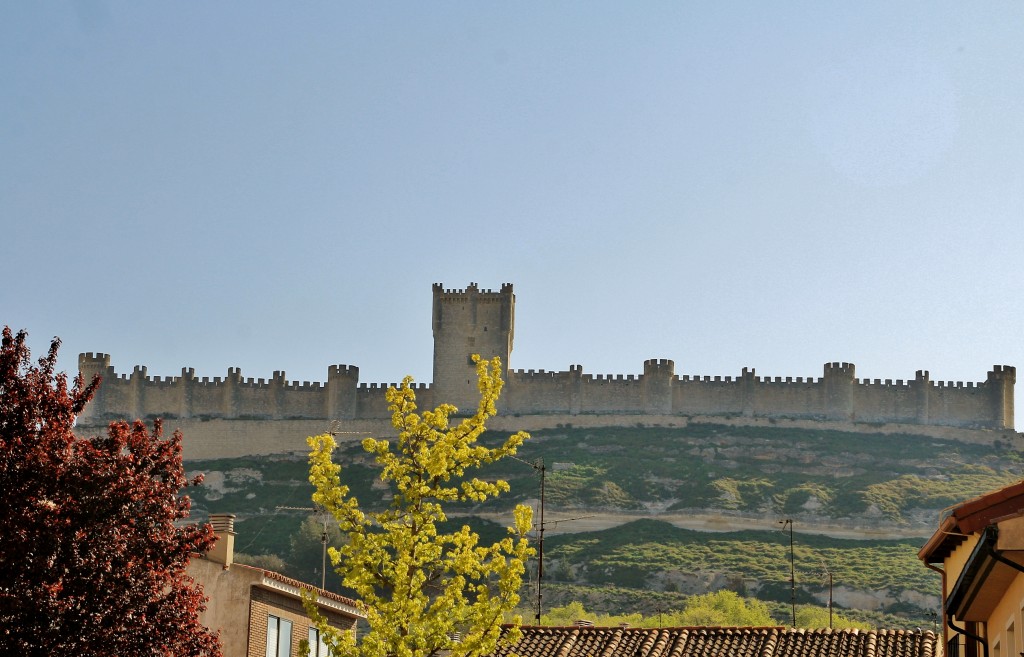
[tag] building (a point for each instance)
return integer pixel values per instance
(232, 415)
(979, 551)
(719, 641)
(258, 612)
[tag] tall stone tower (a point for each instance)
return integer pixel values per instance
(468, 322)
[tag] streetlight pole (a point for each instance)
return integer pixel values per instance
(788, 522)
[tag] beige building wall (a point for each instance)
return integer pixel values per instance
(228, 606)
(1004, 625)
(241, 598)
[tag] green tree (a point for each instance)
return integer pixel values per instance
(420, 587)
(574, 611)
(306, 551)
(264, 561)
(722, 609)
(566, 615)
(811, 617)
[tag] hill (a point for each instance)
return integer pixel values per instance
(861, 504)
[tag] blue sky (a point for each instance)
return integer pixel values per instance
(276, 186)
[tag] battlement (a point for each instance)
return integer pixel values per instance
(609, 377)
(789, 380)
(1003, 373)
(538, 374)
(719, 379)
(659, 367)
(888, 383)
(381, 387)
(843, 369)
(343, 370)
(471, 289)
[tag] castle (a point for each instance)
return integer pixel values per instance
(473, 321)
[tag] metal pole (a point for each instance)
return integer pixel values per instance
(540, 545)
(323, 568)
(792, 567)
(830, 601)
(793, 577)
(828, 573)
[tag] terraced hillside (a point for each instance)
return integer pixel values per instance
(861, 505)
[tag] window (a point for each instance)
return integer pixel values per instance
(317, 647)
(1011, 638)
(279, 637)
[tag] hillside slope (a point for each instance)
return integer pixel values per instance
(885, 491)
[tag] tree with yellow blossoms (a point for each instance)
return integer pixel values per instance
(424, 591)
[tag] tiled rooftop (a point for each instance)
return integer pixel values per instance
(284, 579)
(719, 642)
(972, 516)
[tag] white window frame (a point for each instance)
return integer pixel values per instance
(317, 647)
(280, 629)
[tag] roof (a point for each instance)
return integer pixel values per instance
(719, 642)
(970, 517)
(293, 586)
(323, 593)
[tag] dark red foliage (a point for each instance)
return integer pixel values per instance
(93, 549)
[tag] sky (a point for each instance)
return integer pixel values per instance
(276, 186)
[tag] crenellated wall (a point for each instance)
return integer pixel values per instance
(468, 320)
(233, 397)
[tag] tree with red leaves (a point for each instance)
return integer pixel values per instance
(92, 550)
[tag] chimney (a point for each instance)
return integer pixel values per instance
(223, 551)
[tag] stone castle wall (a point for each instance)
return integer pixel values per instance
(474, 321)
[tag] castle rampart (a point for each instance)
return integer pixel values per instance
(473, 321)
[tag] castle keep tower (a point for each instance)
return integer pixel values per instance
(468, 322)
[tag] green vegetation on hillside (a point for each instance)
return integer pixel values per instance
(632, 555)
(815, 473)
(812, 476)
(702, 467)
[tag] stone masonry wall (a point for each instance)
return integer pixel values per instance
(473, 321)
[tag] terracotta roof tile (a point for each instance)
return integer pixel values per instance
(284, 579)
(971, 516)
(719, 642)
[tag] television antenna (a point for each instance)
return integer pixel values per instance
(539, 466)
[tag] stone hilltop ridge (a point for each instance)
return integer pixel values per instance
(474, 321)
